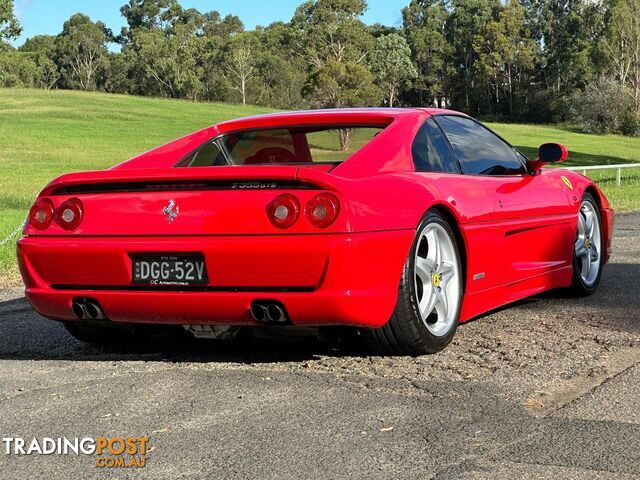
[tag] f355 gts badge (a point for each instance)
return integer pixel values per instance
(171, 211)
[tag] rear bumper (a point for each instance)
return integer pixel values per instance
(325, 279)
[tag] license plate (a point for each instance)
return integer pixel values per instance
(178, 270)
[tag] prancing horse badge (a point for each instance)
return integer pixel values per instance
(171, 210)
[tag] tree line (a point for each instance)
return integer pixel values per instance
(523, 60)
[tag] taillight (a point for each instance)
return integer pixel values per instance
(69, 214)
(322, 210)
(283, 211)
(41, 213)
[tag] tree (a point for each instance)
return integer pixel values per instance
(522, 59)
(216, 32)
(42, 49)
(49, 71)
(391, 64)
(506, 52)
(622, 45)
(149, 15)
(335, 43)
(567, 32)
(223, 28)
(342, 84)
(331, 31)
(168, 63)
(115, 75)
(467, 85)
(9, 26)
(161, 44)
(240, 64)
(281, 73)
(80, 50)
(17, 69)
(423, 25)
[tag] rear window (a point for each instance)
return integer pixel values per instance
(283, 145)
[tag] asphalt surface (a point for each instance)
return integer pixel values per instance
(547, 388)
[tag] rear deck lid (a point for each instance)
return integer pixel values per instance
(228, 200)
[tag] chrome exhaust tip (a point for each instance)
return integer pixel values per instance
(268, 311)
(93, 311)
(87, 309)
(275, 313)
(79, 310)
(258, 312)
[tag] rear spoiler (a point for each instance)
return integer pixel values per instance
(193, 178)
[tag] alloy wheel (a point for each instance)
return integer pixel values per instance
(437, 279)
(588, 243)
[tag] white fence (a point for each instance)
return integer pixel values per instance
(617, 168)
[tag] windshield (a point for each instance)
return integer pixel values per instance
(283, 145)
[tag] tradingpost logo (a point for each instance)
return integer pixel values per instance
(110, 452)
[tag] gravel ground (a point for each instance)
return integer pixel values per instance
(546, 388)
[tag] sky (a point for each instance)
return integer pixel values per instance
(47, 16)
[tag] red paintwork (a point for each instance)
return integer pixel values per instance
(516, 230)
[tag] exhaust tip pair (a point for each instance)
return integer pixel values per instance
(87, 310)
(268, 312)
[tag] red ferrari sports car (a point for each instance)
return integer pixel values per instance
(401, 222)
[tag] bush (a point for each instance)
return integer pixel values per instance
(540, 107)
(606, 107)
(18, 69)
(630, 124)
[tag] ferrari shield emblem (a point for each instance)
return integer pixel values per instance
(567, 182)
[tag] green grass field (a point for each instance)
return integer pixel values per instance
(44, 134)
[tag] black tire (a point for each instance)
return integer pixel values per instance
(405, 333)
(578, 287)
(106, 334)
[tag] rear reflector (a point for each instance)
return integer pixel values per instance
(41, 214)
(322, 210)
(283, 211)
(69, 214)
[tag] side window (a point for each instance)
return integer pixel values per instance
(431, 151)
(478, 150)
(206, 156)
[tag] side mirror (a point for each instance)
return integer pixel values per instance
(549, 153)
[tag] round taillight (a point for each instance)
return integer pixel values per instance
(283, 211)
(69, 214)
(41, 213)
(322, 210)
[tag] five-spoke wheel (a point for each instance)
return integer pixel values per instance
(587, 258)
(430, 294)
(437, 276)
(588, 241)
